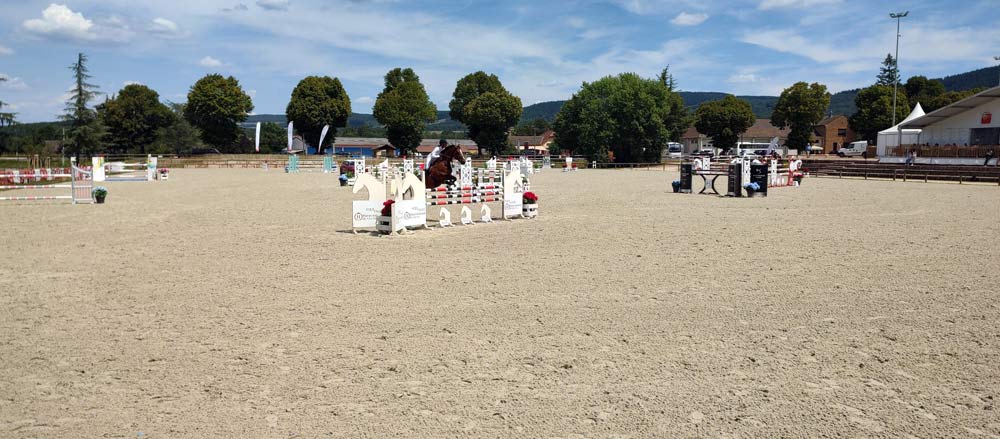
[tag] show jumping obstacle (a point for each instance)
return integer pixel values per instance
(411, 197)
(80, 184)
(738, 172)
(117, 171)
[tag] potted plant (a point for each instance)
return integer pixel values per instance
(384, 223)
(751, 188)
(676, 184)
(529, 208)
(164, 173)
(797, 177)
(99, 193)
(343, 179)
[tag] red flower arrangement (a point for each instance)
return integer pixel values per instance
(387, 207)
(530, 198)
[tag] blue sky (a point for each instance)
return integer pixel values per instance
(542, 50)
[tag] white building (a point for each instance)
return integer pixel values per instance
(960, 133)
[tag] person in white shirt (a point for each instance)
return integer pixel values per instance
(435, 154)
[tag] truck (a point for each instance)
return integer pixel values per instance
(859, 148)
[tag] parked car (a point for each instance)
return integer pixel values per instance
(704, 153)
(854, 149)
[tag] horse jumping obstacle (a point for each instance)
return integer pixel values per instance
(113, 171)
(80, 185)
(411, 197)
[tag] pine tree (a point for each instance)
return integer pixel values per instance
(86, 131)
(888, 74)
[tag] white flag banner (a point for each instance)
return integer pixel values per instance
(322, 135)
(289, 136)
(256, 142)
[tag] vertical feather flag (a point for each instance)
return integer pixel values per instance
(256, 142)
(322, 135)
(289, 136)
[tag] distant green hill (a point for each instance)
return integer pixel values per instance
(982, 78)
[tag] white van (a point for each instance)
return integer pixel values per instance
(675, 150)
(854, 149)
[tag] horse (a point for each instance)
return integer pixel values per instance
(440, 172)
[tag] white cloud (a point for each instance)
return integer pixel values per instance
(743, 78)
(686, 19)
(210, 62)
(239, 7)
(61, 21)
(576, 22)
(128, 83)
(165, 28)
(274, 5)
(6, 51)
(776, 4)
(364, 100)
(13, 83)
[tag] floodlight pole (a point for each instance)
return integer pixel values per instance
(895, 78)
(997, 58)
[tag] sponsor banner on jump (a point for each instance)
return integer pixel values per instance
(365, 213)
(411, 213)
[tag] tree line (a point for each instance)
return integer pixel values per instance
(134, 120)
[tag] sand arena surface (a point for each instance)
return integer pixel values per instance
(229, 303)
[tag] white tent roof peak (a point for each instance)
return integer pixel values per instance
(917, 113)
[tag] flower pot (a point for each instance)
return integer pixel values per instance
(529, 210)
(343, 182)
(677, 188)
(750, 192)
(99, 199)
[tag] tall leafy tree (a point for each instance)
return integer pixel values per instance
(888, 74)
(724, 120)
(875, 111)
(318, 101)
(947, 98)
(133, 117)
(800, 107)
(179, 136)
(216, 105)
(86, 132)
(923, 90)
(622, 117)
(489, 111)
(404, 108)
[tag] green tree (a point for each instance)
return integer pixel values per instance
(86, 132)
(273, 138)
(888, 74)
(318, 101)
(179, 136)
(800, 107)
(488, 110)
(947, 98)
(679, 118)
(724, 120)
(404, 108)
(216, 105)
(133, 118)
(875, 111)
(622, 118)
(923, 90)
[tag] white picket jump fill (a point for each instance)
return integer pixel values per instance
(112, 171)
(80, 184)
